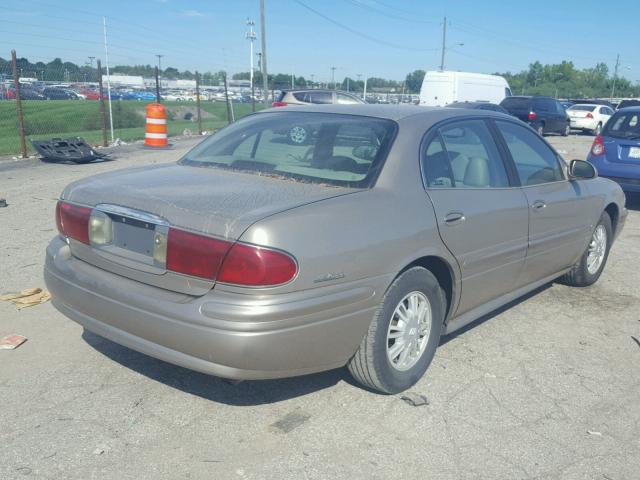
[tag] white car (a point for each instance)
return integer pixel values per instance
(589, 117)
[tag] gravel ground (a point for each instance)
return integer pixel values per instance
(546, 389)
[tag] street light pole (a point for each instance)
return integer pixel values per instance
(333, 77)
(251, 36)
(263, 39)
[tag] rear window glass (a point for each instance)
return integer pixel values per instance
(623, 125)
(582, 108)
(341, 150)
(515, 103)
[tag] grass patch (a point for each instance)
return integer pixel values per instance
(48, 119)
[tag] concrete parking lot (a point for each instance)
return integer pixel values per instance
(546, 389)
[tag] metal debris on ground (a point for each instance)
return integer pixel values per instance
(415, 399)
(592, 432)
(290, 421)
(27, 298)
(12, 341)
(66, 149)
(3, 202)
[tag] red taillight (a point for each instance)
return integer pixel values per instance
(597, 148)
(253, 266)
(279, 104)
(194, 254)
(73, 221)
(532, 115)
(589, 115)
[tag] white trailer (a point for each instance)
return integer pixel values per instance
(440, 88)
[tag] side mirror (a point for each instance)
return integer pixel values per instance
(581, 170)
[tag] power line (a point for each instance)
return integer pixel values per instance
(363, 35)
(390, 15)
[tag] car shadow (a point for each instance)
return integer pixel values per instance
(247, 393)
(446, 339)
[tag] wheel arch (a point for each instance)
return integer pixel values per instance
(614, 214)
(444, 273)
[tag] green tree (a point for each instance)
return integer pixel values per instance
(413, 81)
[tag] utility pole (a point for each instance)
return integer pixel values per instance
(91, 61)
(251, 36)
(444, 41)
(364, 92)
(615, 77)
(159, 61)
(312, 82)
(333, 77)
(292, 81)
(347, 83)
(263, 33)
(106, 61)
(16, 85)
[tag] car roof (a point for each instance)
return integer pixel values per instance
(390, 112)
(588, 105)
(633, 108)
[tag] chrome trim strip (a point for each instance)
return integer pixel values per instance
(131, 213)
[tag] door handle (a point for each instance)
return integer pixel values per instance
(538, 205)
(453, 218)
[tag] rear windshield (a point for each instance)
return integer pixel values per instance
(341, 150)
(582, 108)
(623, 125)
(516, 103)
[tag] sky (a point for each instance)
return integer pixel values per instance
(372, 38)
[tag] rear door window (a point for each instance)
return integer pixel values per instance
(464, 155)
(346, 99)
(535, 162)
(320, 97)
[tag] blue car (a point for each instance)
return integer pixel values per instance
(616, 152)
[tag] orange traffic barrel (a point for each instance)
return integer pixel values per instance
(156, 132)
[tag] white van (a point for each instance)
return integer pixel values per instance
(440, 88)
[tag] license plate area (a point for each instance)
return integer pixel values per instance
(634, 152)
(133, 238)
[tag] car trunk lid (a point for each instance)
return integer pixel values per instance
(620, 150)
(208, 201)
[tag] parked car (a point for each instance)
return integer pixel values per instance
(492, 107)
(315, 96)
(90, 94)
(54, 93)
(567, 104)
(544, 114)
(628, 103)
(616, 152)
(589, 118)
(26, 93)
(253, 257)
(440, 88)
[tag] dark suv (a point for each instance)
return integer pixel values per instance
(544, 114)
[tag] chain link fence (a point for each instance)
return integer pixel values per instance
(61, 100)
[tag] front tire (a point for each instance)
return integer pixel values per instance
(403, 335)
(567, 130)
(589, 267)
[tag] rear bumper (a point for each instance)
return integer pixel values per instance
(627, 175)
(583, 123)
(224, 334)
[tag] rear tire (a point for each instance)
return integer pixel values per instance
(589, 267)
(376, 364)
